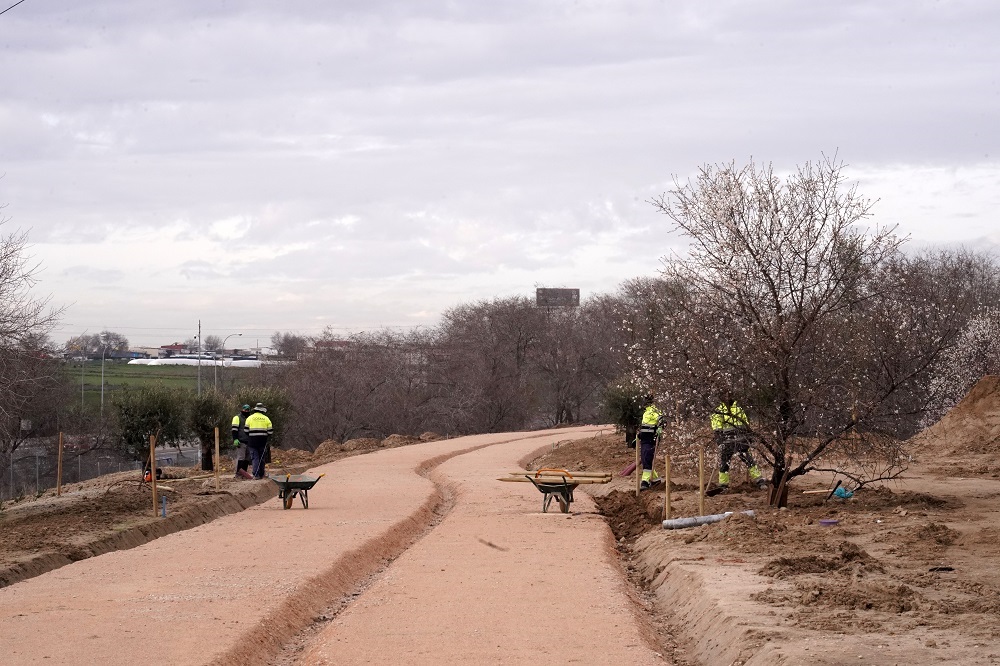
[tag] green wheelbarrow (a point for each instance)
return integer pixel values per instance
(292, 485)
(557, 484)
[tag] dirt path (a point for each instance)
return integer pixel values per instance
(497, 582)
(234, 590)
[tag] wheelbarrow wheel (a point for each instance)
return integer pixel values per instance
(563, 504)
(289, 498)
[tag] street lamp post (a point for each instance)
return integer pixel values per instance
(199, 358)
(104, 351)
(224, 359)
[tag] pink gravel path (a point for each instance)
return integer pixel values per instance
(497, 582)
(181, 599)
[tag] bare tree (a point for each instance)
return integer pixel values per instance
(42, 391)
(289, 345)
(112, 343)
(26, 373)
(21, 314)
(486, 363)
(794, 305)
(106, 343)
(573, 361)
(370, 385)
(212, 343)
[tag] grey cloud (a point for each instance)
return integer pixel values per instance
(543, 128)
(199, 271)
(92, 275)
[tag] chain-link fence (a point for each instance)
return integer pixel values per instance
(32, 472)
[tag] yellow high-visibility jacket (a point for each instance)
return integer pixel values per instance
(259, 428)
(726, 417)
(239, 428)
(650, 419)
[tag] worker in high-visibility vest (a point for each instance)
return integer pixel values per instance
(259, 429)
(649, 431)
(732, 432)
(240, 440)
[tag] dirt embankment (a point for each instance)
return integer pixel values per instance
(906, 572)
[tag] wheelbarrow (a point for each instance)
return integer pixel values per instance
(292, 485)
(557, 484)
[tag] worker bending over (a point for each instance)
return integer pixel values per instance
(732, 433)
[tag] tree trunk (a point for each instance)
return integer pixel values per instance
(207, 456)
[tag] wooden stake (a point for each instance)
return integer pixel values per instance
(638, 472)
(217, 461)
(152, 469)
(59, 467)
(666, 460)
(557, 472)
(666, 480)
(701, 479)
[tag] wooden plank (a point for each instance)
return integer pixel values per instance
(552, 479)
(559, 479)
(575, 475)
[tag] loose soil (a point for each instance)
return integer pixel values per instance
(907, 572)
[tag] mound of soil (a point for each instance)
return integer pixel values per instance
(627, 516)
(605, 453)
(393, 441)
(290, 456)
(851, 557)
(361, 444)
(901, 562)
(328, 447)
(972, 426)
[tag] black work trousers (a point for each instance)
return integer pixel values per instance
(257, 455)
(647, 442)
(733, 441)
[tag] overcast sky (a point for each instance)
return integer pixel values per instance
(266, 166)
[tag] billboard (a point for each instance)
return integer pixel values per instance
(551, 298)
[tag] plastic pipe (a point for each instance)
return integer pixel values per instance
(694, 521)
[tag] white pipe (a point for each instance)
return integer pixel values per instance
(679, 523)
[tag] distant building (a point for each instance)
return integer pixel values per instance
(166, 351)
(130, 354)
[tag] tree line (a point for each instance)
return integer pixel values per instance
(837, 340)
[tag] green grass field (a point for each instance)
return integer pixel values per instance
(118, 374)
